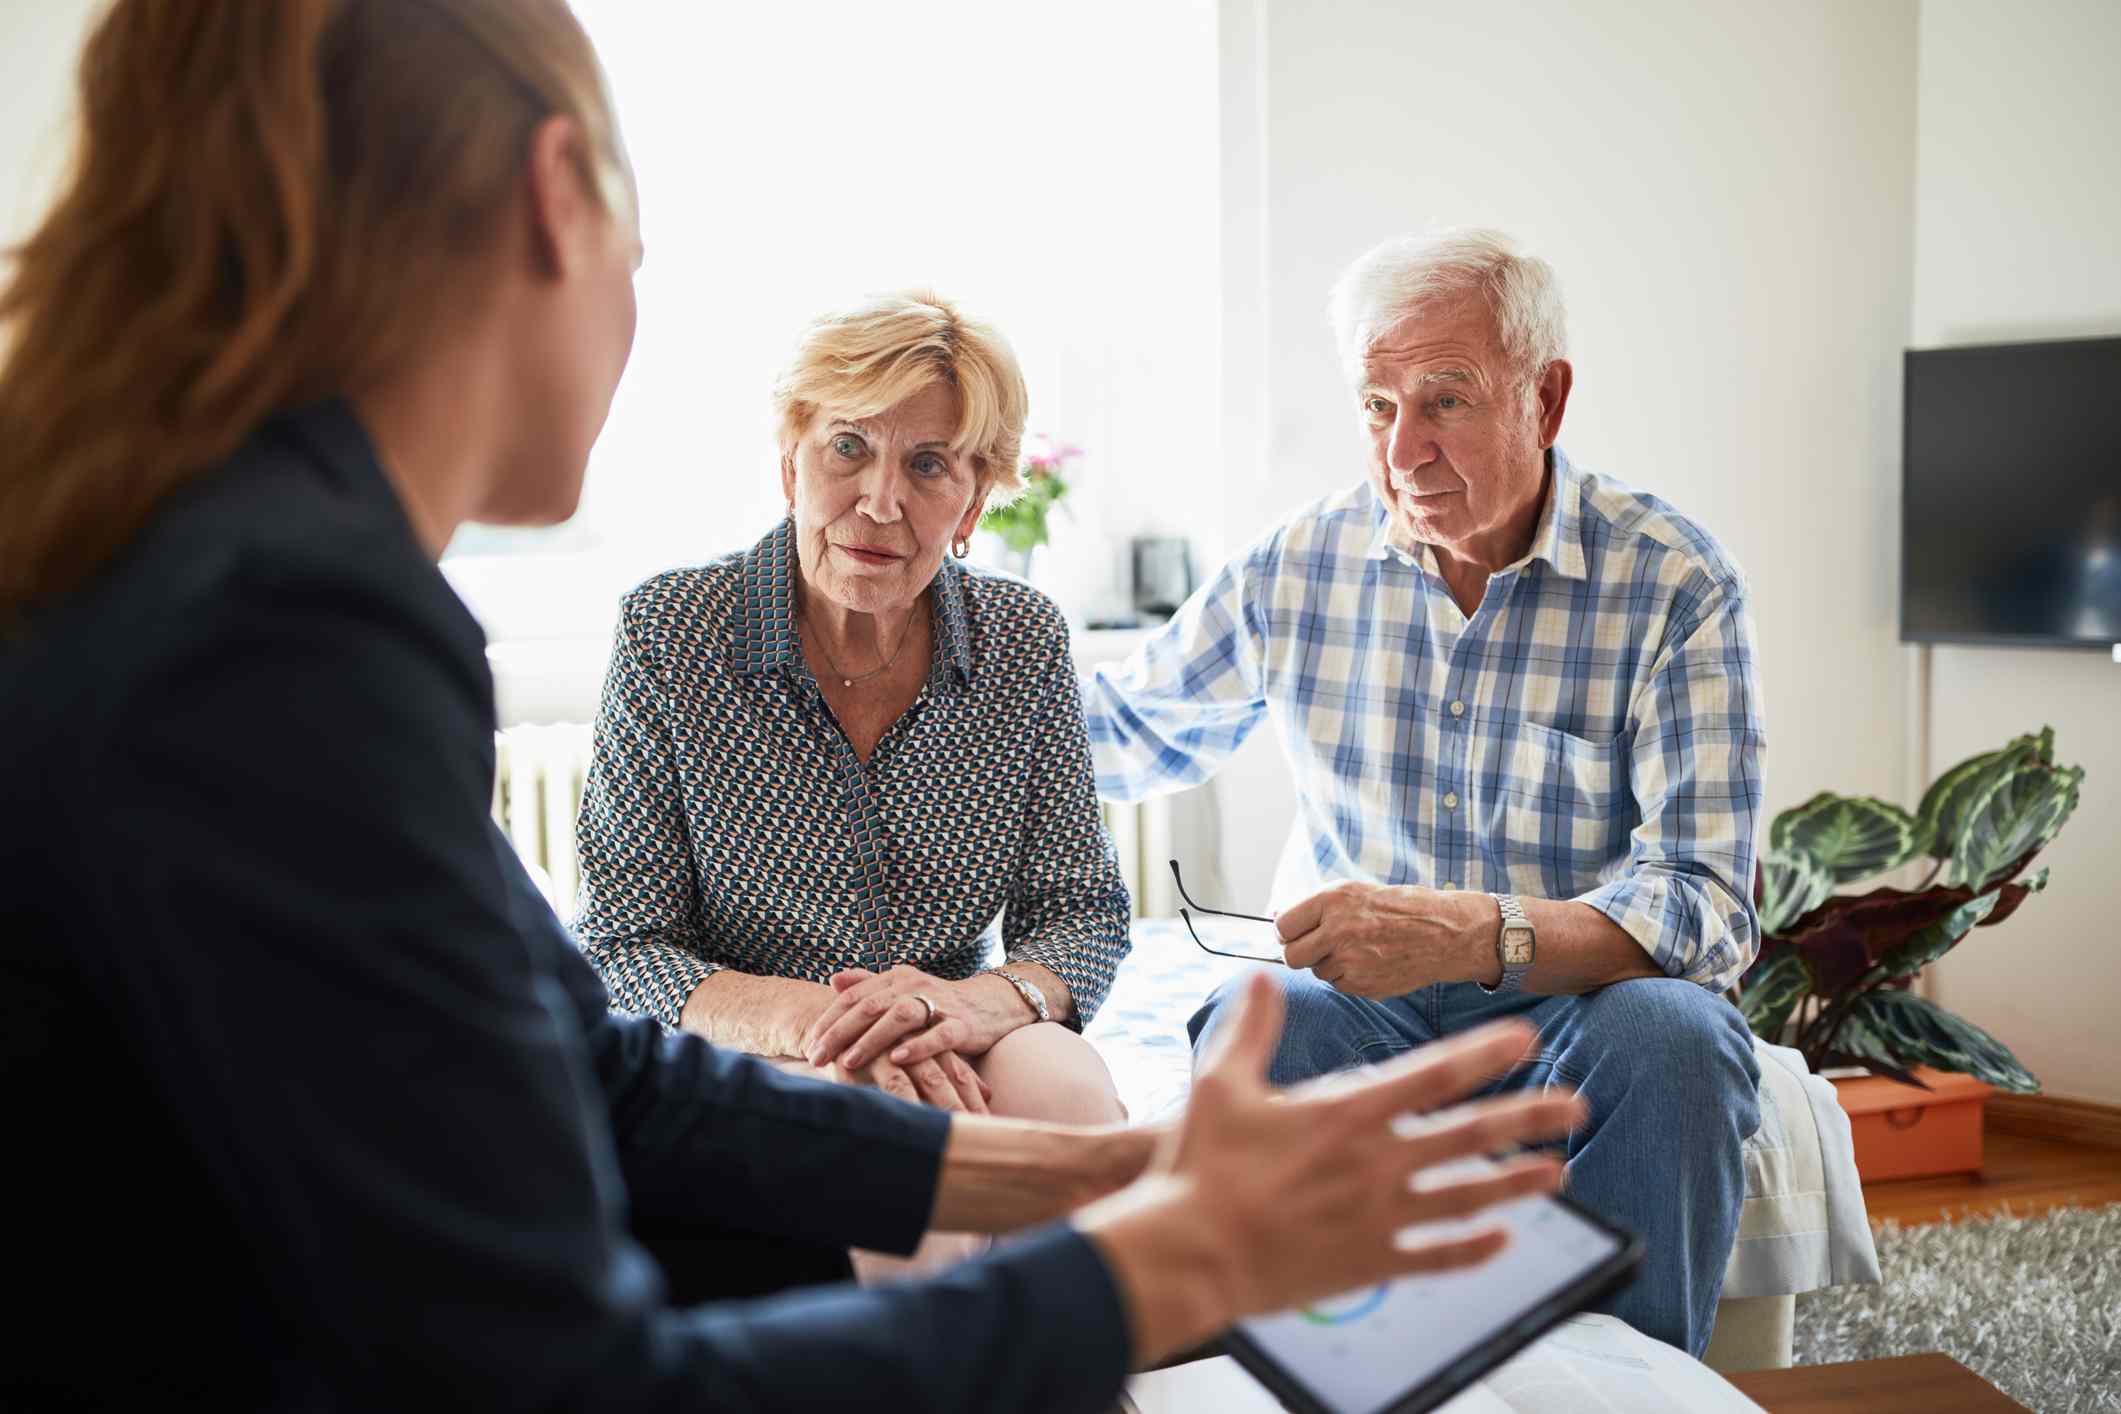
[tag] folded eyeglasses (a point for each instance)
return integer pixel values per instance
(1191, 907)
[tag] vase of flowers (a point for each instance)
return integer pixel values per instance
(1022, 523)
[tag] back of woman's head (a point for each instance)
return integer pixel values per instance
(270, 200)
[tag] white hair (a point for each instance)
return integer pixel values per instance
(1392, 280)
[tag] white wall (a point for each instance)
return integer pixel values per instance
(2017, 210)
(40, 40)
(1724, 189)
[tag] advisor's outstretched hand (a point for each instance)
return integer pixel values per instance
(1262, 1199)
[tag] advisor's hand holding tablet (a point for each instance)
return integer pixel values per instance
(1265, 1199)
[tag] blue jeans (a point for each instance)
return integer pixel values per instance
(1666, 1068)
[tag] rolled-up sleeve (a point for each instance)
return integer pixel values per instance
(1170, 715)
(639, 921)
(1068, 908)
(1685, 893)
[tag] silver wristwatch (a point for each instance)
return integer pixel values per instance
(1515, 946)
(1032, 996)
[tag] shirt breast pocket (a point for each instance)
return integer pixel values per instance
(1566, 811)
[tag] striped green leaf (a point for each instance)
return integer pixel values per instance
(1897, 1028)
(2016, 814)
(1792, 884)
(1771, 993)
(1945, 805)
(1849, 836)
(1943, 808)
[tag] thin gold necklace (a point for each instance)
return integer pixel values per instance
(849, 680)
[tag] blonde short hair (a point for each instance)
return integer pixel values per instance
(859, 362)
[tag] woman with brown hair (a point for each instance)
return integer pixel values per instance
(313, 1103)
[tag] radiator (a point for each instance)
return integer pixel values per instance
(1141, 833)
(537, 794)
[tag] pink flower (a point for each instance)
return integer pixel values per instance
(1044, 457)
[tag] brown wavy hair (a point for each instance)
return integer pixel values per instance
(269, 201)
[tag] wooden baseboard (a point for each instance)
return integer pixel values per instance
(2051, 1117)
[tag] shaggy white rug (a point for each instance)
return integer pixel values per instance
(2032, 1305)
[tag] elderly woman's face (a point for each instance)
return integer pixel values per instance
(878, 500)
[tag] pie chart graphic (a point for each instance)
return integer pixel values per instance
(1347, 1308)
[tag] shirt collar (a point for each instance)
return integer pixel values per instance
(1558, 539)
(765, 631)
(951, 620)
(765, 635)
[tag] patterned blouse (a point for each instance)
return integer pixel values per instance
(727, 822)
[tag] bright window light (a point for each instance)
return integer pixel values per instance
(1052, 168)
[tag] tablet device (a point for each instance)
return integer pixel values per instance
(1410, 1344)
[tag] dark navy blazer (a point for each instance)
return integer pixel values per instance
(311, 1103)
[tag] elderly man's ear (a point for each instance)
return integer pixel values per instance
(1554, 385)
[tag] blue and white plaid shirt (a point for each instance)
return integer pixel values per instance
(1593, 732)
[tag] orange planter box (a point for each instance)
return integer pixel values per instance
(1903, 1132)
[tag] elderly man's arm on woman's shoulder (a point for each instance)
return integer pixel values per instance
(1068, 907)
(1686, 894)
(1174, 712)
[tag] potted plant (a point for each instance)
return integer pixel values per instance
(1834, 971)
(1021, 523)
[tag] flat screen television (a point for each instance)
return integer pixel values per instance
(2011, 495)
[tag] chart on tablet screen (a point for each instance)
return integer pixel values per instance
(1362, 1350)
(1346, 1308)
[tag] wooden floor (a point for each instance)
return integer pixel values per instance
(2020, 1173)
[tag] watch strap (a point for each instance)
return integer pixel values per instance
(1033, 997)
(1514, 918)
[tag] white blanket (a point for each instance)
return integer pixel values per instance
(1803, 1226)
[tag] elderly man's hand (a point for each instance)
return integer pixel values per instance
(1377, 940)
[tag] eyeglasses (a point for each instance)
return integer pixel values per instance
(1188, 912)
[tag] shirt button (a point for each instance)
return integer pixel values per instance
(1458, 709)
(1450, 800)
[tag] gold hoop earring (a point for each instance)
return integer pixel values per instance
(961, 548)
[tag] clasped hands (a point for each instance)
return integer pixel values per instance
(876, 1031)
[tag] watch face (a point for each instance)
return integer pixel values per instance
(1517, 948)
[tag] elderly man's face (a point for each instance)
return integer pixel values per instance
(1457, 444)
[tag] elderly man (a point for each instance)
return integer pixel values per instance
(1519, 703)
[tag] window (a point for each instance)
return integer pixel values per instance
(1051, 168)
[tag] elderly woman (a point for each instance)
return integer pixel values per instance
(826, 763)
